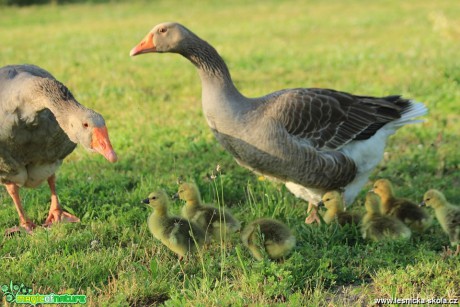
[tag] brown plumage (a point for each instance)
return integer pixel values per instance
(403, 209)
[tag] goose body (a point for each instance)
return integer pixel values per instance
(377, 226)
(333, 202)
(403, 209)
(448, 215)
(219, 222)
(179, 235)
(40, 124)
(268, 235)
(291, 135)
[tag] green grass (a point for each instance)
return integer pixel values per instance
(152, 106)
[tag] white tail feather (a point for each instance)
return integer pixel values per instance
(408, 116)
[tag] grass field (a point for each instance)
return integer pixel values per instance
(152, 105)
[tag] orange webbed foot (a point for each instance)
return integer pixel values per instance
(313, 216)
(27, 226)
(58, 215)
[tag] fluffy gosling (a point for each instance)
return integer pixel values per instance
(376, 226)
(179, 235)
(447, 214)
(268, 234)
(333, 202)
(403, 209)
(219, 222)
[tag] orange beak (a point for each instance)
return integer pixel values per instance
(101, 144)
(145, 46)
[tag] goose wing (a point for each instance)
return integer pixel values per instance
(330, 119)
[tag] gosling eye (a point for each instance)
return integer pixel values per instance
(154, 197)
(162, 30)
(85, 125)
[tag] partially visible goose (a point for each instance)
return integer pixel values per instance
(269, 235)
(40, 124)
(219, 222)
(403, 209)
(376, 226)
(448, 215)
(312, 139)
(333, 202)
(179, 235)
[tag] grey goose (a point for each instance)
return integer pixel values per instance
(312, 139)
(40, 124)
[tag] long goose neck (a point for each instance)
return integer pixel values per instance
(212, 68)
(55, 96)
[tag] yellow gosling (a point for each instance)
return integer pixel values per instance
(448, 216)
(218, 222)
(403, 209)
(334, 204)
(179, 235)
(376, 226)
(270, 235)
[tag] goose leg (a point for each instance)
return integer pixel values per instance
(313, 214)
(24, 221)
(56, 214)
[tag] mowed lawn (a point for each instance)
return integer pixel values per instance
(152, 106)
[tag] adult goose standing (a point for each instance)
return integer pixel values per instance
(312, 139)
(40, 124)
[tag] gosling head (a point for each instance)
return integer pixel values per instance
(433, 198)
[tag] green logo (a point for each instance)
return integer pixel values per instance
(21, 294)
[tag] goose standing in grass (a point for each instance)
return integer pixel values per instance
(179, 235)
(376, 226)
(271, 235)
(312, 139)
(217, 221)
(40, 124)
(333, 202)
(403, 209)
(447, 214)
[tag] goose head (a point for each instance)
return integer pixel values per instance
(164, 37)
(88, 128)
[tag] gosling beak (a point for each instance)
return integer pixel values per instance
(422, 204)
(101, 143)
(175, 196)
(145, 201)
(145, 46)
(320, 204)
